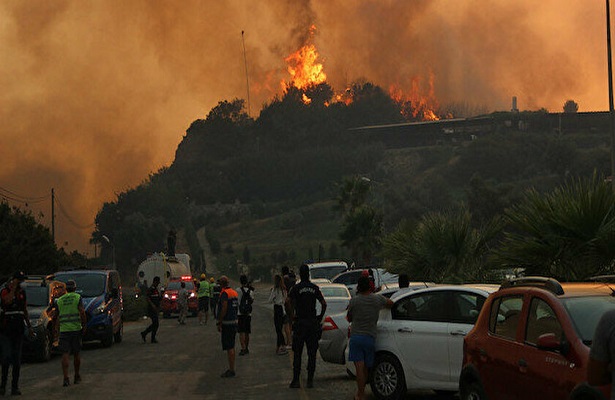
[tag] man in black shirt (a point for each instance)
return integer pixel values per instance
(153, 308)
(306, 326)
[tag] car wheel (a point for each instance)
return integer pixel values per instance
(44, 353)
(107, 341)
(120, 333)
(387, 380)
(472, 391)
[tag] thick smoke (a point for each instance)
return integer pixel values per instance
(97, 95)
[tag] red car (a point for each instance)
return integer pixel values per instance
(532, 340)
(169, 297)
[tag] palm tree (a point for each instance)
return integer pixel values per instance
(353, 193)
(569, 233)
(362, 233)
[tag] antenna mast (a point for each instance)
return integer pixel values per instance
(245, 61)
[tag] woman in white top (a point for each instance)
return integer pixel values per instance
(278, 298)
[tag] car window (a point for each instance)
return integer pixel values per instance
(541, 320)
(175, 285)
(585, 312)
(431, 306)
(328, 291)
(37, 296)
(467, 306)
(326, 272)
(504, 316)
(88, 285)
(348, 278)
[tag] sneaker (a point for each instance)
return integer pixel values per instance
(295, 384)
(66, 382)
(15, 392)
(243, 352)
(154, 341)
(143, 335)
(228, 374)
(282, 351)
(77, 379)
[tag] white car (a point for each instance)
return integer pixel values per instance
(419, 344)
(382, 278)
(326, 269)
(337, 297)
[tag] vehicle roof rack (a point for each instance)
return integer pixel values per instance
(549, 284)
(602, 278)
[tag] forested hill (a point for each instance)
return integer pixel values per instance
(264, 187)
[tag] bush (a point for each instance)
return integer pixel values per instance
(134, 308)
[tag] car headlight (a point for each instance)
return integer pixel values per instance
(192, 295)
(100, 309)
(35, 323)
(166, 296)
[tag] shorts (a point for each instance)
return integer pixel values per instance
(228, 336)
(362, 348)
(244, 324)
(204, 303)
(70, 342)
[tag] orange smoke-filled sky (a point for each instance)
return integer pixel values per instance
(96, 95)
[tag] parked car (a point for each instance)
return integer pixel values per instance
(40, 294)
(334, 340)
(326, 269)
(532, 341)
(419, 344)
(168, 304)
(337, 297)
(382, 278)
(101, 293)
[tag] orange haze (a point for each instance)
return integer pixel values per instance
(97, 94)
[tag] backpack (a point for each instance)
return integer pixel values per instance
(245, 305)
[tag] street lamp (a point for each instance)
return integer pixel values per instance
(106, 239)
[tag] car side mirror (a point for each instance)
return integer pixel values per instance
(549, 341)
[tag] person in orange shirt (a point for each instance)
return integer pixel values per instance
(227, 323)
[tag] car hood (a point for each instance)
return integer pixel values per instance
(92, 303)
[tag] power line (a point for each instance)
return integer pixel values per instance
(27, 198)
(71, 220)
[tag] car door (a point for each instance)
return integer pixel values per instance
(421, 336)
(115, 304)
(541, 371)
(465, 307)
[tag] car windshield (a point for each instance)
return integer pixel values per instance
(175, 285)
(37, 296)
(334, 292)
(88, 285)
(585, 312)
(326, 272)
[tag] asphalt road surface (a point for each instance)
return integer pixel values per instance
(186, 364)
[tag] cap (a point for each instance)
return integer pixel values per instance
(19, 275)
(203, 276)
(71, 284)
(211, 279)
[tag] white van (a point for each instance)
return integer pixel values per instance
(326, 269)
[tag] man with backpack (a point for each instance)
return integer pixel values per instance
(244, 316)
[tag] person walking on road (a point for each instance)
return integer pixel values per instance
(363, 312)
(73, 322)
(182, 303)
(203, 296)
(13, 319)
(278, 297)
(227, 323)
(306, 326)
(244, 316)
(153, 309)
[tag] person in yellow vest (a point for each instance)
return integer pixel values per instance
(72, 319)
(203, 296)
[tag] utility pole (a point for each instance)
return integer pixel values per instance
(611, 108)
(53, 216)
(245, 61)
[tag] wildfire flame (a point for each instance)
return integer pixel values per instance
(415, 105)
(304, 67)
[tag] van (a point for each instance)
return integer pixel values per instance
(326, 269)
(101, 294)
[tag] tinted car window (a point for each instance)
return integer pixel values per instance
(174, 285)
(585, 312)
(348, 278)
(541, 320)
(88, 285)
(430, 306)
(37, 296)
(467, 306)
(504, 316)
(326, 272)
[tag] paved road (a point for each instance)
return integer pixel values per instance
(187, 363)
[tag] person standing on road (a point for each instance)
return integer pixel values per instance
(12, 321)
(306, 326)
(203, 298)
(73, 322)
(602, 353)
(182, 303)
(215, 296)
(278, 297)
(227, 323)
(363, 312)
(153, 309)
(289, 279)
(244, 316)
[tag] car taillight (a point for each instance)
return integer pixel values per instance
(328, 324)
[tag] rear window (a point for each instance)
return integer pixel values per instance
(334, 292)
(175, 285)
(88, 285)
(326, 272)
(37, 296)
